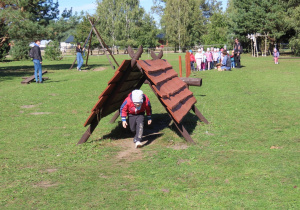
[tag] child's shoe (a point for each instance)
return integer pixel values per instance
(138, 144)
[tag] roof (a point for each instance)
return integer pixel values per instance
(70, 39)
(160, 36)
(170, 89)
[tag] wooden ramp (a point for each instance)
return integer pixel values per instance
(28, 80)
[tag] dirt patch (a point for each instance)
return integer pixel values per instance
(129, 152)
(28, 106)
(51, 170)
(40, 113)
(180, 161)
(52, 94)
(45, 184)
(99, 69)
(275, 147)
(178, 146)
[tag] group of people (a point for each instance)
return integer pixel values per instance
(215, 58)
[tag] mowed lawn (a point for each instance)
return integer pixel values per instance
(246, 158)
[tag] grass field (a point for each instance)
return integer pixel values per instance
(246, 158)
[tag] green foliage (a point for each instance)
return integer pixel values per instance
(4, 41)
(182, 21)
(124, 23)
(52, 51)
(217, 29)
(27, 20)
(20, 50)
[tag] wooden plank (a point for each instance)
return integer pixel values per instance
(99, 103)
(182, 109)
(155, 65)
(170, 87)
(162, 76)
(199, 115)
(175, 99)
(31, 78)
(108, 90)
(89, 131)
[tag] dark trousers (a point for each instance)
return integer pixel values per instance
(237, 60)
(192, 65)
(136, 124)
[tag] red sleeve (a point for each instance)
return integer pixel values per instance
(124, 110)
(148, 107)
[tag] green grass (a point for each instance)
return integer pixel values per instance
(246, 158)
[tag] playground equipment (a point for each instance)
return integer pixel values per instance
(102, 43)
(171, 91)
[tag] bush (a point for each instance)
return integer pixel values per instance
(20, 50)
(4, 50)
(295, 45)
(52, 51)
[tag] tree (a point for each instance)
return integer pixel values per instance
(217, 29)
(259, 16)
(183, 22)
(121, 21)
(27, 20)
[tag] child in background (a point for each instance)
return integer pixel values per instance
(135, 106)
(192, 60)
(232, 59)
(275, 55)
(215, 57)
(208, 58)
(198, 57)
(203, 62)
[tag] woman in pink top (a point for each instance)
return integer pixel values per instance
(209, 58)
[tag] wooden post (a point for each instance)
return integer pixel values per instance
(87, 57)
(187, 64)
(180, 66)
(199, 115)
(104, 46)
(89, 131)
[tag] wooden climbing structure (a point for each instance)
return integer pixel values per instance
(171, 91)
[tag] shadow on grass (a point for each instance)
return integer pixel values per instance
(10, 72)
(153, 131)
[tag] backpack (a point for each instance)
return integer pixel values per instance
(228, 61)
(31, 52)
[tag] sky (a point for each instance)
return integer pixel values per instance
(90, 5)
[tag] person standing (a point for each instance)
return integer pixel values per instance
(79, 51)
(192, 60)
(209, 58)
(237, 53)
(198, 57)
(135, 106)
(37, 61)
(276, 55)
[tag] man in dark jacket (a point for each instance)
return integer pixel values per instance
(237, 53)
(37, 61)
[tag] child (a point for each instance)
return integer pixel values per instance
(232, 59)
(209, 58)
(135, 106)
(276, 55)
(215, 57)
(192, 60)
(198, 57)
